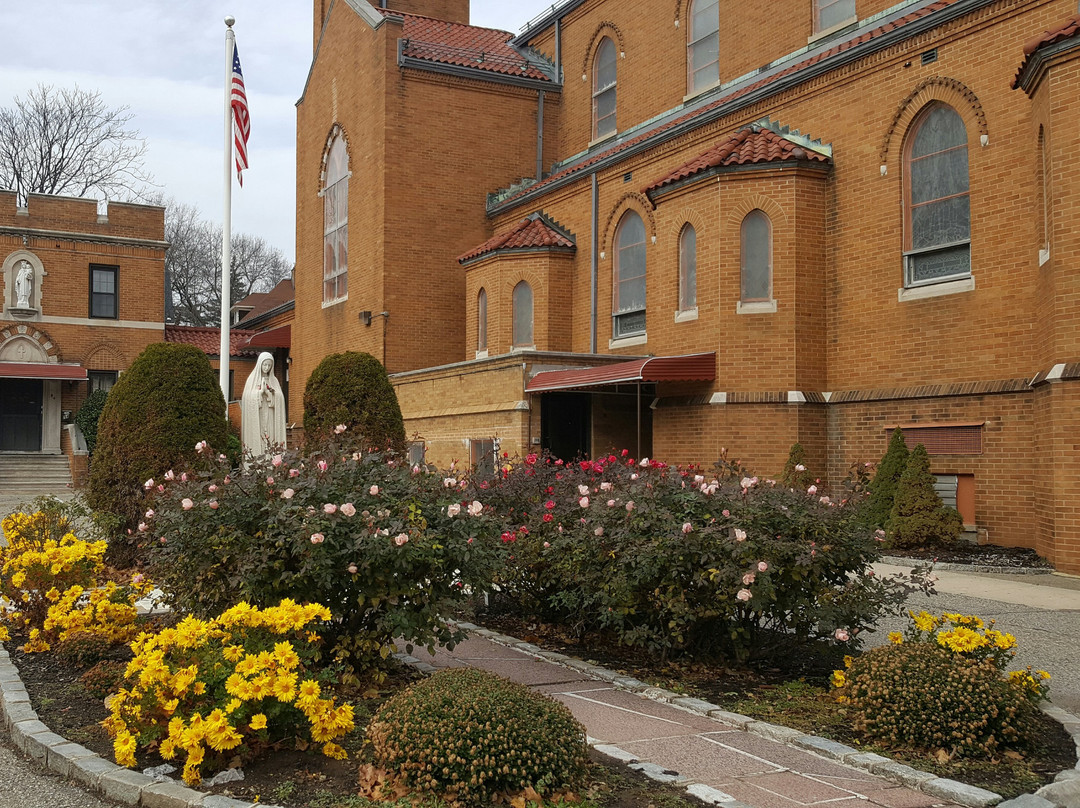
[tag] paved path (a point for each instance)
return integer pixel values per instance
(24, 784)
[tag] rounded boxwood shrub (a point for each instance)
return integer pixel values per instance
(922, 695)
(468, 735)
(86, 419)
(353, 389)
(167, 401)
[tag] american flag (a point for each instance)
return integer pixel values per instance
(241, 119)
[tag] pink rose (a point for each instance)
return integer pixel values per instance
(630, 505)
(317, 538)
(599, 531)
(288, 493)
(611, 503)
(698, 479)
(842, 635)
(187, 504)
(605, 486)
(726, 512)
(339, 429)
(276, 461)
(148, 484)
(269, 480)
(374, 490)
(747, 482)
(812, 490)
(143, 527)
(546, 544)
(212, 488)
(348, 509)
(744, 595)
(583, 490)
(687, 527)
(184, 477)
(740, 534)
(475, 508)
(762, 566)
(329, 507)
(294, 473)
(169, 475)
(401, 539)
(228, 479)
(213, 505)
(633, 476)
(161, 489)
(200, 447)
(583, 502)
(150, 514)
(323, 465)
(748, 579)
(352, 569)
(453, 510)
(549, 504)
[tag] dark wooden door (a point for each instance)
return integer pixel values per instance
(20, 415)
(565, 425)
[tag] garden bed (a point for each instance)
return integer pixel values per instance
(793, 691)
(298, 779)
(977, 555)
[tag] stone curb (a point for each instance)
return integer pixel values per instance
(87, 768)
(986, 569)
(1066, 784)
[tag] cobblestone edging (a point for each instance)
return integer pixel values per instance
(1064, 791)
(945, 566)
(88, 768)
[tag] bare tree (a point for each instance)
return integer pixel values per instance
(60, 141)
(193, 265)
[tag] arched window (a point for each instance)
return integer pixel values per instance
(604, 89)
(937, 203)
(703, 56)
(523, 315)
(481, 320)
(688, 269)
(1044, 198)
(629, 280)
(756, 261)
(335, 195)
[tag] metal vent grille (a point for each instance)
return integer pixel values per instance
(945, 439)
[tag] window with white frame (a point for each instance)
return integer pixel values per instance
(688, 269)
(756, 258)
(336, 223)
(831, 13)
(937, 202)
(629, 277)
(604, 70)
(523, 315)
(703, 48)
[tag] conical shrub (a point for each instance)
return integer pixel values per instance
(882, 488)
(919, 518)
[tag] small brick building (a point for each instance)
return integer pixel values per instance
(83, 295)
(684, 228)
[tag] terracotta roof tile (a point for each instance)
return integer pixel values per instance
(1066, 30)
(726, 99)
(534, 232)
(752, 144)
(208, 339)
(485, 49)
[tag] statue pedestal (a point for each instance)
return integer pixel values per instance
(14, 311)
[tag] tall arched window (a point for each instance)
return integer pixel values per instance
(703, 57)
(629, 280)
(335, 195)
(937, 202)
(688, 269)
(1044, 198)
(756, 260)
(523, 315)
(481, 320)
(604, 89)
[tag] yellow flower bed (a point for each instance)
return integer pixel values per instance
(229, 685)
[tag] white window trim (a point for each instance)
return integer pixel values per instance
(953, 287)
(627, 342)
(523, 348)
(686, 315)
(328, 303)
(832, 29)
(692, 95)
(603, 138)
(481, 354)
(756, 307)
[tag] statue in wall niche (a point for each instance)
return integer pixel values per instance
(24, 285)
(262, 410)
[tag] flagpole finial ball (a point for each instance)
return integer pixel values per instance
(230, 21)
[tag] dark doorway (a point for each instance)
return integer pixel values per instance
(566, 424)
(20, 415)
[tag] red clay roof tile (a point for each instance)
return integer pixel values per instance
(1066, 30)
(725, 99)
(531, 233)
(452, 43)
(751, 144)
(208, 339)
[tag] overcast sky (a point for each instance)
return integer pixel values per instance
(164, 59)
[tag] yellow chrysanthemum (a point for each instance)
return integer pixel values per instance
(838, 679)
(332, 750)
(896, 638)
(258, 721)
(124, 748)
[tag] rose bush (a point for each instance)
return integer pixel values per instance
(387, 548)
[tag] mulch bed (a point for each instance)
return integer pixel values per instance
(984, 555)
(792, 690)
(288, 777)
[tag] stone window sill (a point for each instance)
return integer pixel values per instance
(756, 307)
(628, 342)
(328, 303)
(481, 354)
(686, 315)
(936, 290)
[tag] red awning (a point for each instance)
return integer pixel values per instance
(694, 367)
(32, 370)
(280, 337)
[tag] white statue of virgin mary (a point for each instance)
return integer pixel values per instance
(262, 410)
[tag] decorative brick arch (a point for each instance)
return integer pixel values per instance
(104, 355)
(604, 29)
(757, 202)
(635, 201)
(337, 130)
(687, 215)
(41, 343)
(935, 88)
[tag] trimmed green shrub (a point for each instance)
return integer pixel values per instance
(795, 474)
(923, 695)
(353, 389)
(919, 518)
(468, 735)
(168, 401)
(86, 419)
(882, 488)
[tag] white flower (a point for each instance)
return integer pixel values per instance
(317, 538)
(687, 527)
(583, 490)
(148, 484)
(352, 569)
(453, 510)
(762, 566)
(150, 514)
(744, 595)
(740, 534)
(449, 482)
(633, 476)
(329, 507)
(374, 490)
(200, 447)
(169, 475)
(143, 527)
(605, 486)
(339, 429)
(288, 493)
(842, 634)
(186, 504)
(812, 490)
(644, 462)
(748, 579)
(611, 503)
(475, 508)
(348, 509)
(800, 467)
(401, 539)
(698, 479)
(747, 482)
(599, 531)
(583, 502)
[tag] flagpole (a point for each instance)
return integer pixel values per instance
(226, 226)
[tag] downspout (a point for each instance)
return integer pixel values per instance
(558, 51)
(638, 455)
(540, 137)
(594, 260)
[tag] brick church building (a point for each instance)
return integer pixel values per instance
(681, 226)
